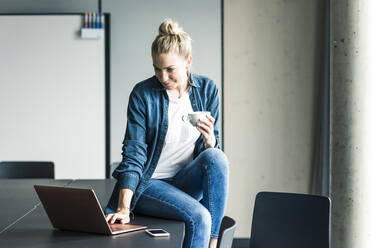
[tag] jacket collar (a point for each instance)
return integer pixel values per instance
(193, 81)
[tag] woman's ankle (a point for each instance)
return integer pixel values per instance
(213, 243)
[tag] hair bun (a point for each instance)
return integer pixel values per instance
(169, 27)
(171, 38)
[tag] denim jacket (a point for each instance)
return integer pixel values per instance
(147, 125)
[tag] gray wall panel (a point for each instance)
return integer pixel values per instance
(272, 74)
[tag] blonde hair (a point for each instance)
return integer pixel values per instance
(171, 38)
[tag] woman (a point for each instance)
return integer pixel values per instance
(170, 168)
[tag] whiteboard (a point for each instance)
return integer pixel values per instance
(52, 94)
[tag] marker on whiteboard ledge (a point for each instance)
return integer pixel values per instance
(89, 20)
(102, 20)
(99, 20)
(86, 20)
(94, 20)
(99, 24)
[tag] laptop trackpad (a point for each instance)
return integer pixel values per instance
(125, 227)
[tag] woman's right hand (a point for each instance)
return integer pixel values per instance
(122, 216)
(123, 211)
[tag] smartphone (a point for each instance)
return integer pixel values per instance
(157, 232)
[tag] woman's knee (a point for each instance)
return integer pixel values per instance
(218, 158)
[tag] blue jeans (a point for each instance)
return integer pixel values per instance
(196, 195)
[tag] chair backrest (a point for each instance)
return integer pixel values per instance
(288, 220)
(26, 169)
(226, 233)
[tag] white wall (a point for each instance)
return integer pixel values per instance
(52, 94)
(272, 64)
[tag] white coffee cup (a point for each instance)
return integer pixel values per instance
(194, 117)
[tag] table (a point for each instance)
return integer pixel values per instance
(24, 223)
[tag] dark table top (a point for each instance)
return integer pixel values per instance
(29, 226)
(17, 197)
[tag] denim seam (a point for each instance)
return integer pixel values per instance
(180, 210)
(213, 235)
(210, 202)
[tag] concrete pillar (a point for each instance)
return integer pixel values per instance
(351, 125)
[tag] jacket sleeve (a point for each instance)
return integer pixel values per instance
(134, 150)
(212, 104)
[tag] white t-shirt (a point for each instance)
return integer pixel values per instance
(180, 139)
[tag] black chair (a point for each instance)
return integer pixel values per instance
(288, 220)
(26, 169)
(226, 233)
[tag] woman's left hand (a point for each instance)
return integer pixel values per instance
(206, 128)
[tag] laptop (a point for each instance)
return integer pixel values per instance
(78, 209)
